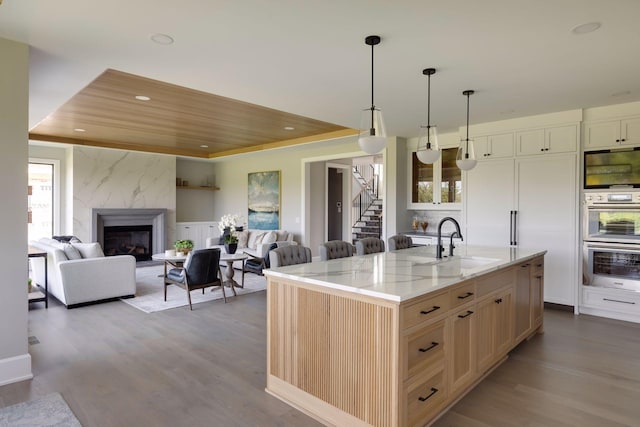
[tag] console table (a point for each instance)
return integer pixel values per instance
(38, 296)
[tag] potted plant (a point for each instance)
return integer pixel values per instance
(184, 246)
(227, 226)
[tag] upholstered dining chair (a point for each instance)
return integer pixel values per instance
(369, 245)
(335, 249)
(289, 255)
(399, 241)
(201, 270)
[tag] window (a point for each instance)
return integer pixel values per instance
(41, 181)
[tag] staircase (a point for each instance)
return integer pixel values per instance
(367, 205)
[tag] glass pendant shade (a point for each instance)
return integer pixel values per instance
(466, 157)
(428, 150)
(373, 135)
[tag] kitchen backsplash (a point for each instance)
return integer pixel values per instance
(434, 217)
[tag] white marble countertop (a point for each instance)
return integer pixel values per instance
(404, 274)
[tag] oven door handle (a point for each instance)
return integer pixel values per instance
(607, 245)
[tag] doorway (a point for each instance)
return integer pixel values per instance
(335, 205)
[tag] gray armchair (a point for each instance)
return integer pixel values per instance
(369, 245)
(201, 270)
(399, 241)
(289, 255)
(335, 249)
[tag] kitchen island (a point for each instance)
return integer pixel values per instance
(395, 338)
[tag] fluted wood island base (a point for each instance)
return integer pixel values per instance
(394, 339)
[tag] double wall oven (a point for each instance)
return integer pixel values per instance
(611, 239)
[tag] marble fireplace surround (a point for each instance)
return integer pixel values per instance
(106, 217)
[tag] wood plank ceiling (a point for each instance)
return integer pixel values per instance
(176, 120)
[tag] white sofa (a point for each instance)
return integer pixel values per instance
(256, 242)
(79, 273)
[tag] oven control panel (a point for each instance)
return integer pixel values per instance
(631, 197)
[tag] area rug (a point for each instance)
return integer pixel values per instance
(149, 293)
(48, 411)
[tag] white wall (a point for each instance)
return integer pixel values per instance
(15, 361)
(195, 205)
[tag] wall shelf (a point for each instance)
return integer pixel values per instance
(194, 187)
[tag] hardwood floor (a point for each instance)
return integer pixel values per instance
(117, 366)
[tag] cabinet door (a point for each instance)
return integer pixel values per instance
(630, 132)
(481, 146)
(494, 326)
(522, 302)
(530, 142)
(501, 145)
(484, 326)
(462, 368)
(503, 338)
(185, 231)
(537, 293)
(602, 134)
(562, 139)
(489, 197)
(547, 218)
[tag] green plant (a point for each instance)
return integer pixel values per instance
(183, 244)
(232, 237)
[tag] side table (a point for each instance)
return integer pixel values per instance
(228, 272)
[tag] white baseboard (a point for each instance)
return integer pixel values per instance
(15, 369)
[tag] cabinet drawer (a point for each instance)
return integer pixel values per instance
(425, 348)
(493, 282)
(462, 294)
(537, 266)
(612, 299)
(425, 399)
(424, 309)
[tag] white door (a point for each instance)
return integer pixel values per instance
(489, 199)
(547, 219)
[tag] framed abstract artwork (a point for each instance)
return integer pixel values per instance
(264, 200)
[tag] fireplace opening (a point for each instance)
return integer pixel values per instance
(133, 240)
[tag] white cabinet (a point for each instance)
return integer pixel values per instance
(542, 190)
(196, 231)
(494, 146)
(561, 139)
(612, 133)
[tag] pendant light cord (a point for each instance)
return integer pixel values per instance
(467, 153)
(428, 110)
(373, 107)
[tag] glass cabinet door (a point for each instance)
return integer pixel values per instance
(451, 183)
(422, 181)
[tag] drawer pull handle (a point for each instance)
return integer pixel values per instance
(524, 265)
(498, 301)
(538, 277)
(467, 295)
(435, 307)
(538, 265)
(462, 316)
(433, 391)
(432, 346)
(616, 300)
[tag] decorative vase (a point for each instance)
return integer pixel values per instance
(230, 247)
(225, 233)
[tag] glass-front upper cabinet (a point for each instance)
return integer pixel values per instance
(435, 186)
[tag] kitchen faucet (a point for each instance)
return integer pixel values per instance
(439, 247)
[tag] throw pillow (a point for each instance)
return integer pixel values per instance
(243, 239)
(255, 238)
(282, 235)
(89, 250)
(270, 237)
(71, 252)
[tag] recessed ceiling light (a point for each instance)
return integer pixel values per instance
(586, 28)
(204, 146)
(162, 39)
(289, 128)
(79, 130)
(142, 98)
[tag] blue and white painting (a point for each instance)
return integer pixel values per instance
(264, 200)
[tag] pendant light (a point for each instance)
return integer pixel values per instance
(373, 135)
(466, 157)
(428, 150)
